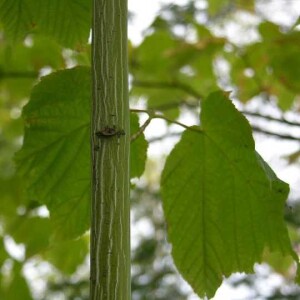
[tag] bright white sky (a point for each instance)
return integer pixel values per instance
(145, 11)
(270, 148)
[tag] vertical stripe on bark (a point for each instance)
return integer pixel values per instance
(110, 209)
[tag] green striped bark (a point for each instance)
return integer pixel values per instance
(110, 226)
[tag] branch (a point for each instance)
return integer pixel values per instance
(256, 129)
(267, 117)
(141, 130)
(168, 85)
(278, 135)
(161, 137)
(19, 74)
(177, 123)
(188, 89)
(153, 115)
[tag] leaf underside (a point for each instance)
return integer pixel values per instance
(223, 204)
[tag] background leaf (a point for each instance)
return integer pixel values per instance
(33, 232)
(68, 255)
(18, 287)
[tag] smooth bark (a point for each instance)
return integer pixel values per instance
(110, 208)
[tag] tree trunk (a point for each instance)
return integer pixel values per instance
(110, 208)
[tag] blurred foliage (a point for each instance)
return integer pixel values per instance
(66, 21)
(174, 68)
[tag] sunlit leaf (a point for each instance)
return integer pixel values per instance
(223, 203)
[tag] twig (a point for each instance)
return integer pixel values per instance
(188, 89)
(256, 129)
(161, 137)
(141, 130)
(168, 85)
(193, 92)
(135, 110)
(177, 123)
(267, 117)
(278, 135)
(153, 115)
(19, 74)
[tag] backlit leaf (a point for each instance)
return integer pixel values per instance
(68, 21)
(55, 158)
(33, 232)
(67, 256)
(223, 204)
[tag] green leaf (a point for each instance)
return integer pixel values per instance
(21, 58)
(167, 70)
(287, 67)
(67, 21)
(161, 99)
(153, 58)
(279, 263)
(18, 287)
(138, 149)
(221, 7)
(3, 253)
(33, 232)
(216, 6)
(12, 197)
(223, 204)
(55, 158)
(269, 31)
(69, 255)
(20, 66)
(284, 95)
